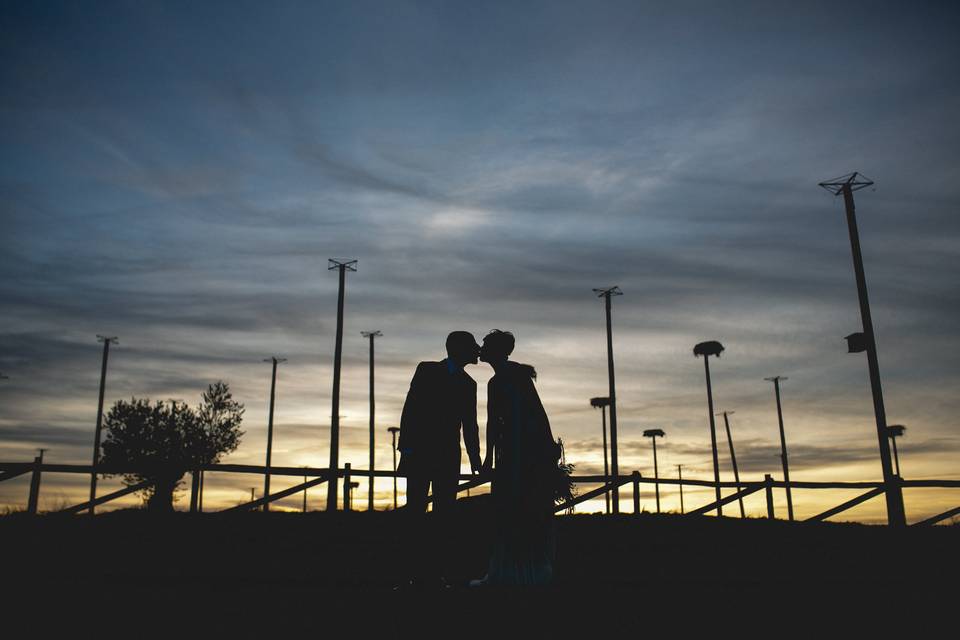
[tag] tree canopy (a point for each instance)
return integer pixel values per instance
(161, 441)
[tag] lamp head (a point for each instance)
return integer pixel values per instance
(708, 348)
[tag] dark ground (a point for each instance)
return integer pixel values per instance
(251, 574)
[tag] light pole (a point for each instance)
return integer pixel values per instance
(371, 335)
(866, 341)
(603, 403)
(349, 497)
(107, 341)
(733, 460)
(680, 477)
(393, 432)
(653, 434)
(273, 392)
(607, 294)
(707, 349)
(783, 445)
(342, 267)
(896, 431)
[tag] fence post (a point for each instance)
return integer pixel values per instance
(636, 491)
(34, 488)
(768, 481)
(194, 490)
(346, 487)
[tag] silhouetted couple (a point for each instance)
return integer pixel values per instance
(521, 456)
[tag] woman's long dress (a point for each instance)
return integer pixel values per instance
(525, 457)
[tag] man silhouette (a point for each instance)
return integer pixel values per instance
(441, 401)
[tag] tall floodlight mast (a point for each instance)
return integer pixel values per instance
(845, 186)
(607, 294)
(733, 458)
(107, 341)
(707, 349)
(273, 394)
(896, 431)
(783, 444)
(371, 335)
(602, 403)
(342, 267)
(653, 434)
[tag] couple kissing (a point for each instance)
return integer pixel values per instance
(521, 460)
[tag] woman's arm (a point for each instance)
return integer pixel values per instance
(493, 429)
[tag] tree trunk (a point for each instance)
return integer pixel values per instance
(161, 501)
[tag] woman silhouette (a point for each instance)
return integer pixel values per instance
(522, 456)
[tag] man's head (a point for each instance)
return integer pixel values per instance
(462, 348)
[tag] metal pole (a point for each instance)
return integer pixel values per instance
(34, 498)
(603, 403)
(194, 490)
(783, 446)
(713, 435)
(656, 473)
(893, 491)
(896, 456)
(636, 492)
(393, 432)
(346, 487)
(680, 477)
(304, 494)
(607, 294)
(342, 268)
(768, 480)
(371, 335)
(733, 460)
(200, 501)
(273, 393)
(96, 438)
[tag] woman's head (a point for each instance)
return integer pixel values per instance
(497, 346)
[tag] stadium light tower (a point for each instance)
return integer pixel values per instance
(342, 266)
(273, 392)
(371, 335)
(393, 432)
(866, 341)
(607, 294)
(107, 341)
(707, 349)
(602, 403)
(653, 434)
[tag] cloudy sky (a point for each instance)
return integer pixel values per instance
(177, 174)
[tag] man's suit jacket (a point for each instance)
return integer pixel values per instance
(438, 404)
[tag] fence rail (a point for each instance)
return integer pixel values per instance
(744, 488)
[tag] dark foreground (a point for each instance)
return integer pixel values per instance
(253, 574)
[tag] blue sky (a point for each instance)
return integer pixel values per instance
(177, 174)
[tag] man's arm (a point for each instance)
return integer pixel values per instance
(471, 431)
(410, 417)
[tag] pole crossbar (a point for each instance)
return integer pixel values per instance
(846, 505)
(930, 483)
(464, 486)
(937, 518)
(735, 496)
(9, 475)
(259, 502)
(101, 499)
(622, 480)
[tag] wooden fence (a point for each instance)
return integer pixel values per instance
(317, 476)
